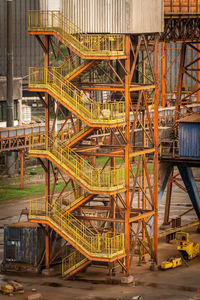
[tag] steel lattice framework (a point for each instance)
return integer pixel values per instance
(96, 66)
(103, 86)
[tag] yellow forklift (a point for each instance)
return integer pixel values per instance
(187, 249)
(171, 263)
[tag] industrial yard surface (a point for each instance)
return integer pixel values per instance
(174, 284)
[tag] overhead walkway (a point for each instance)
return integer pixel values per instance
(17, 138)
(87, 46)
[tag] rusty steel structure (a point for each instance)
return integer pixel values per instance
(182, 25)
(108, 208)
(106, 88)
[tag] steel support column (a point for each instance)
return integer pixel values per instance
(164, 65)
(180, 81)
(156, 104)
(47, 162)
(22, 170)
(190, 184)
(10, 101)
(168, 200)
(127, 151)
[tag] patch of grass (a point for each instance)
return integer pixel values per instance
(101, 160)
(8, 192)
(39, 170)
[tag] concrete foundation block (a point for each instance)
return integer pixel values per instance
(127, 280)
(36, 296)
(48, 272)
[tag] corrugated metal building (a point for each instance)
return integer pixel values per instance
(173, 63)
(189, 136)
(111, 16)
(23, 243)
(27, 51)
(115, 16)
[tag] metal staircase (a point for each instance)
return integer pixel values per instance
(87, 46)
(76, 67)
(92, 179)
(99, 247)
(71, 200)
(92, 113)
(73, 263)
(88, 51)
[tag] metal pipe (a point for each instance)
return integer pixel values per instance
(10, 102)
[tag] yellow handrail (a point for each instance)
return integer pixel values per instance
(96, 245)
(93, 112)
(87, 44)
(72, 261)
(93, 178)
(68, 200)
(73, 64)
(72, 137)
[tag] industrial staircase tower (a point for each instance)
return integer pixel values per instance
(106, 118)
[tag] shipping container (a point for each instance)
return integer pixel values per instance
(24, 247)
(23, 243)
(115, 16)
(189, 136)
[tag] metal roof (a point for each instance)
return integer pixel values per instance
(193, 118)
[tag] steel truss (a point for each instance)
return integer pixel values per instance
(133, 80)
(182, 24)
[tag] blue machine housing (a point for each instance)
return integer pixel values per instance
(189, 137)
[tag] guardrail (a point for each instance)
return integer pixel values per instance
(87, 44)
(169, 149)
(93, 178)
(72, 261)
(96, 245)
(93, 112)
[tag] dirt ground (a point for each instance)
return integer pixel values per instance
(180, 283)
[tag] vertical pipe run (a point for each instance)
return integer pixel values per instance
(10, 104)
